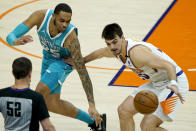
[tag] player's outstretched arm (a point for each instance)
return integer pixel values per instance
(97, 54)
(16, 37)
(72, 44)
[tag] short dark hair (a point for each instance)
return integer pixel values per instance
(21, 67)
(62, 7)
(111, 30)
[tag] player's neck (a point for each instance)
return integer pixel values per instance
(21, 84)
(124, 49)
(52, 28)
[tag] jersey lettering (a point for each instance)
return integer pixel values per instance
(14, 109)
(140, 73)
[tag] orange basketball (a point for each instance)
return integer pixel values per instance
(146, 102)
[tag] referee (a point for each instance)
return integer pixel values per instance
(21, 107)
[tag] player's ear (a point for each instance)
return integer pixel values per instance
(29, 75)
(53, 15)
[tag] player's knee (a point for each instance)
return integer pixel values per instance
(147, 126)
(124, 113)
(42, 88)
(120, 111)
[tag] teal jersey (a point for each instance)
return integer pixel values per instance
(53, 46)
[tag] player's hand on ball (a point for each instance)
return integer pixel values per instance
(176, 91)
(23, 40)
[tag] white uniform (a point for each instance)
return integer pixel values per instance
(168, 101)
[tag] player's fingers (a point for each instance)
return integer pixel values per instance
(181, 98)
(68, 60)
(29, 39)
(28, 36)
(98, 119)
(22, 42)
(168, 87)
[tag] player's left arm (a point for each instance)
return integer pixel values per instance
(73, 45)
(142, 56)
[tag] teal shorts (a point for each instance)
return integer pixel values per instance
(53, 74)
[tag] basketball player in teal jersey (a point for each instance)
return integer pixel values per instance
(59, 40)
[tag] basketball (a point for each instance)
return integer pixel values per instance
(146, 102)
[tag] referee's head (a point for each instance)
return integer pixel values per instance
(21, 67)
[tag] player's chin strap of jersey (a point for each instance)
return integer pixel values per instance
(19, 31)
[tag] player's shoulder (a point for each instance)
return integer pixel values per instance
(33, 95)
(40, 13)
(4, 88)
(36, 18)
(139, 47)
(71, 39)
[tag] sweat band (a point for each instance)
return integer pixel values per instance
(85, 117)
(19, 31)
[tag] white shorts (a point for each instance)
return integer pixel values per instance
(168, 101)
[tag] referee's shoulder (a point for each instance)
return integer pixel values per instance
(34, 93)
(4, 89)
(5, 92)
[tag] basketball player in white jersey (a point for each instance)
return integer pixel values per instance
(168, 81)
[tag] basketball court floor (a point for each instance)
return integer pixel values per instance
(168, 24)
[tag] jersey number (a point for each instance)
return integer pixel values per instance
(14, 109)
(144, 76)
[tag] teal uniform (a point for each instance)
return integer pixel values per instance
(54, 70)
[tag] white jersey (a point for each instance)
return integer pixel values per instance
(168, 101)
(146, 72)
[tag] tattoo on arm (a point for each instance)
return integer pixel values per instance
(74, 48)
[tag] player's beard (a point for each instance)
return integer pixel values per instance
(120, 50)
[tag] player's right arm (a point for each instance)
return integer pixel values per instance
(16, 36)
(97, 54)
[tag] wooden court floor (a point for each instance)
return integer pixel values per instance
(136, 17)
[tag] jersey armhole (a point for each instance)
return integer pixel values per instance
(45, 17)
(128, 52)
